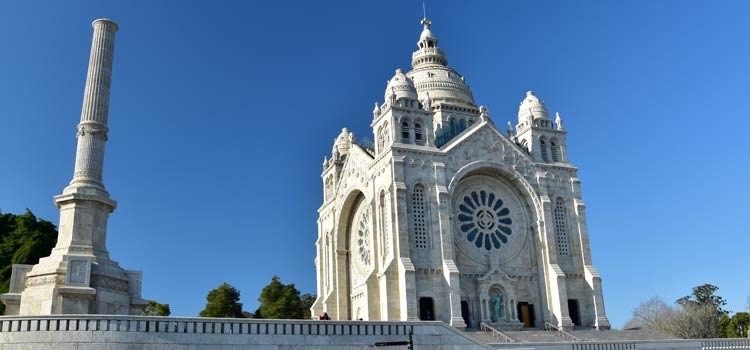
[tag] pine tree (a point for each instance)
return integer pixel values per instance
(283, 301)
(223, 301)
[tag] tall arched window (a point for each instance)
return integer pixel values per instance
(418, 136)
(405, 132)
(554, 150)
(381, 139)
(543, 149)
(382, 223)
(386, 134)
(561, 227)
(421, 240)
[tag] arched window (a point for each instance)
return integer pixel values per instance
(421, 240)
(381, 139)
(554, 150)
(561, 227)
(418, 137)
(328, 188)
(543, 149)
(462, 125)
(525, 145)
(405, 132)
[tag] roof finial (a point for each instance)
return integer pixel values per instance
(425, 22)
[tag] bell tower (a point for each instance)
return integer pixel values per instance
(536, 133)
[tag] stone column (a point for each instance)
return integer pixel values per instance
(450, 270)
(78, 277)
(92, 130)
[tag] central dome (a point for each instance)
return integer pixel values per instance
(442, 83)
(432, 75)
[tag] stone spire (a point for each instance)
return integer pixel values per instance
(78, 277)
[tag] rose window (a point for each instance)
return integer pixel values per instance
(484, 220)
(363, 238)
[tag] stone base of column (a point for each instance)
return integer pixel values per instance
(458, 322)
(602, 323)
(566, 323)
(74, 284)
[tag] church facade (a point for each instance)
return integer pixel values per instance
(445, 217)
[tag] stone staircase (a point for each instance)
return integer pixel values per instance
(618, 335)
(535, 335)
(531, 335)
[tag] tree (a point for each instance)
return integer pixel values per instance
(735, 326)
(695, 321)
(652, 314)
(704, 295)
(699, 315)
(23, 240)
(283, 301)
(223, 301)
(155, 309)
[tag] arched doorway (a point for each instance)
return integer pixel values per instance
(361, 259)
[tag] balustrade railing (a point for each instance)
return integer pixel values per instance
(153, 324)
(563, 333)
(604, 346)
(712, 344)
(496, 332)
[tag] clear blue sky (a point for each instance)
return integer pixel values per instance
(221, 113)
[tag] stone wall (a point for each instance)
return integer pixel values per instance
(171, 333)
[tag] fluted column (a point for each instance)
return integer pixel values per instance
(92, 130)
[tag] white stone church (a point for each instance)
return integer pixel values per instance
(447, 218)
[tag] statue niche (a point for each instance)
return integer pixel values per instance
(497, 306)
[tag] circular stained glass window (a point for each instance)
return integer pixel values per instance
(484, 220)
(363, 238)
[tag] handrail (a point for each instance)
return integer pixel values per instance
(496, 332)
(564, 334)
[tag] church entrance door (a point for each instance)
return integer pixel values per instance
(573, 312)
(426, 309)
(526, 314)
(465, 313)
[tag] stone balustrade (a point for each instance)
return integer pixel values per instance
(167, 333)
(173, 333)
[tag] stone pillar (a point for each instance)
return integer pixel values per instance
(78, 276)
(450, 270)
(407, 283)
(92, 130)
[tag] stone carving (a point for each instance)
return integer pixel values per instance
(77, 271)
(110, 283)
(44, 280)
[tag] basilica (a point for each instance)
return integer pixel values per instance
(446, 217)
